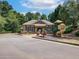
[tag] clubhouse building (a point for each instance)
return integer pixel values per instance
(34, 26)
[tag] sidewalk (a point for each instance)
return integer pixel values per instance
(61, 40)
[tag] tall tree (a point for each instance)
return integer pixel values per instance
(55, 15)
(36, 15)
(44, 17)
(4, 8)
(29, 16)
(2, 23)
(21, 18)
(73, 11)
(63, 15)
(12, 22)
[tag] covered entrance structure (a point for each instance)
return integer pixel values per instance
(35, 25)
(40, 27)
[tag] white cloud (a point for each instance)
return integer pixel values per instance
(23, 13)
(41, 4)
(36, 12)
(33, 11)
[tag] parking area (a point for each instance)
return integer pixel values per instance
(13, 46)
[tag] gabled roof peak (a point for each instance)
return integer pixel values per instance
(32, 22)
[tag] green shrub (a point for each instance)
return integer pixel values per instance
(19, 31)
(54, 30)
(77, 33)
(68, 30)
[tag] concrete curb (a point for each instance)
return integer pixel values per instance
(62, 42)
(56, 40)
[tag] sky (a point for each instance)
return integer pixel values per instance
(41, 6)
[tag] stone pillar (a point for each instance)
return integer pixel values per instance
(27, 28)
(43, 29)
(24, 28)
(30, 29)
(35, 29)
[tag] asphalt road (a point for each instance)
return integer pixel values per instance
(14, 46)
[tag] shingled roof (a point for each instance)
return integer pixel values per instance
(32, 22)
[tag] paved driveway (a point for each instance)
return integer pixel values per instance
(14, 46)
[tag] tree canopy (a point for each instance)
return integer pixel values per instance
(11, 20)
(68, 13)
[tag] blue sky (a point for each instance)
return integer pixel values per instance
(42, 6)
